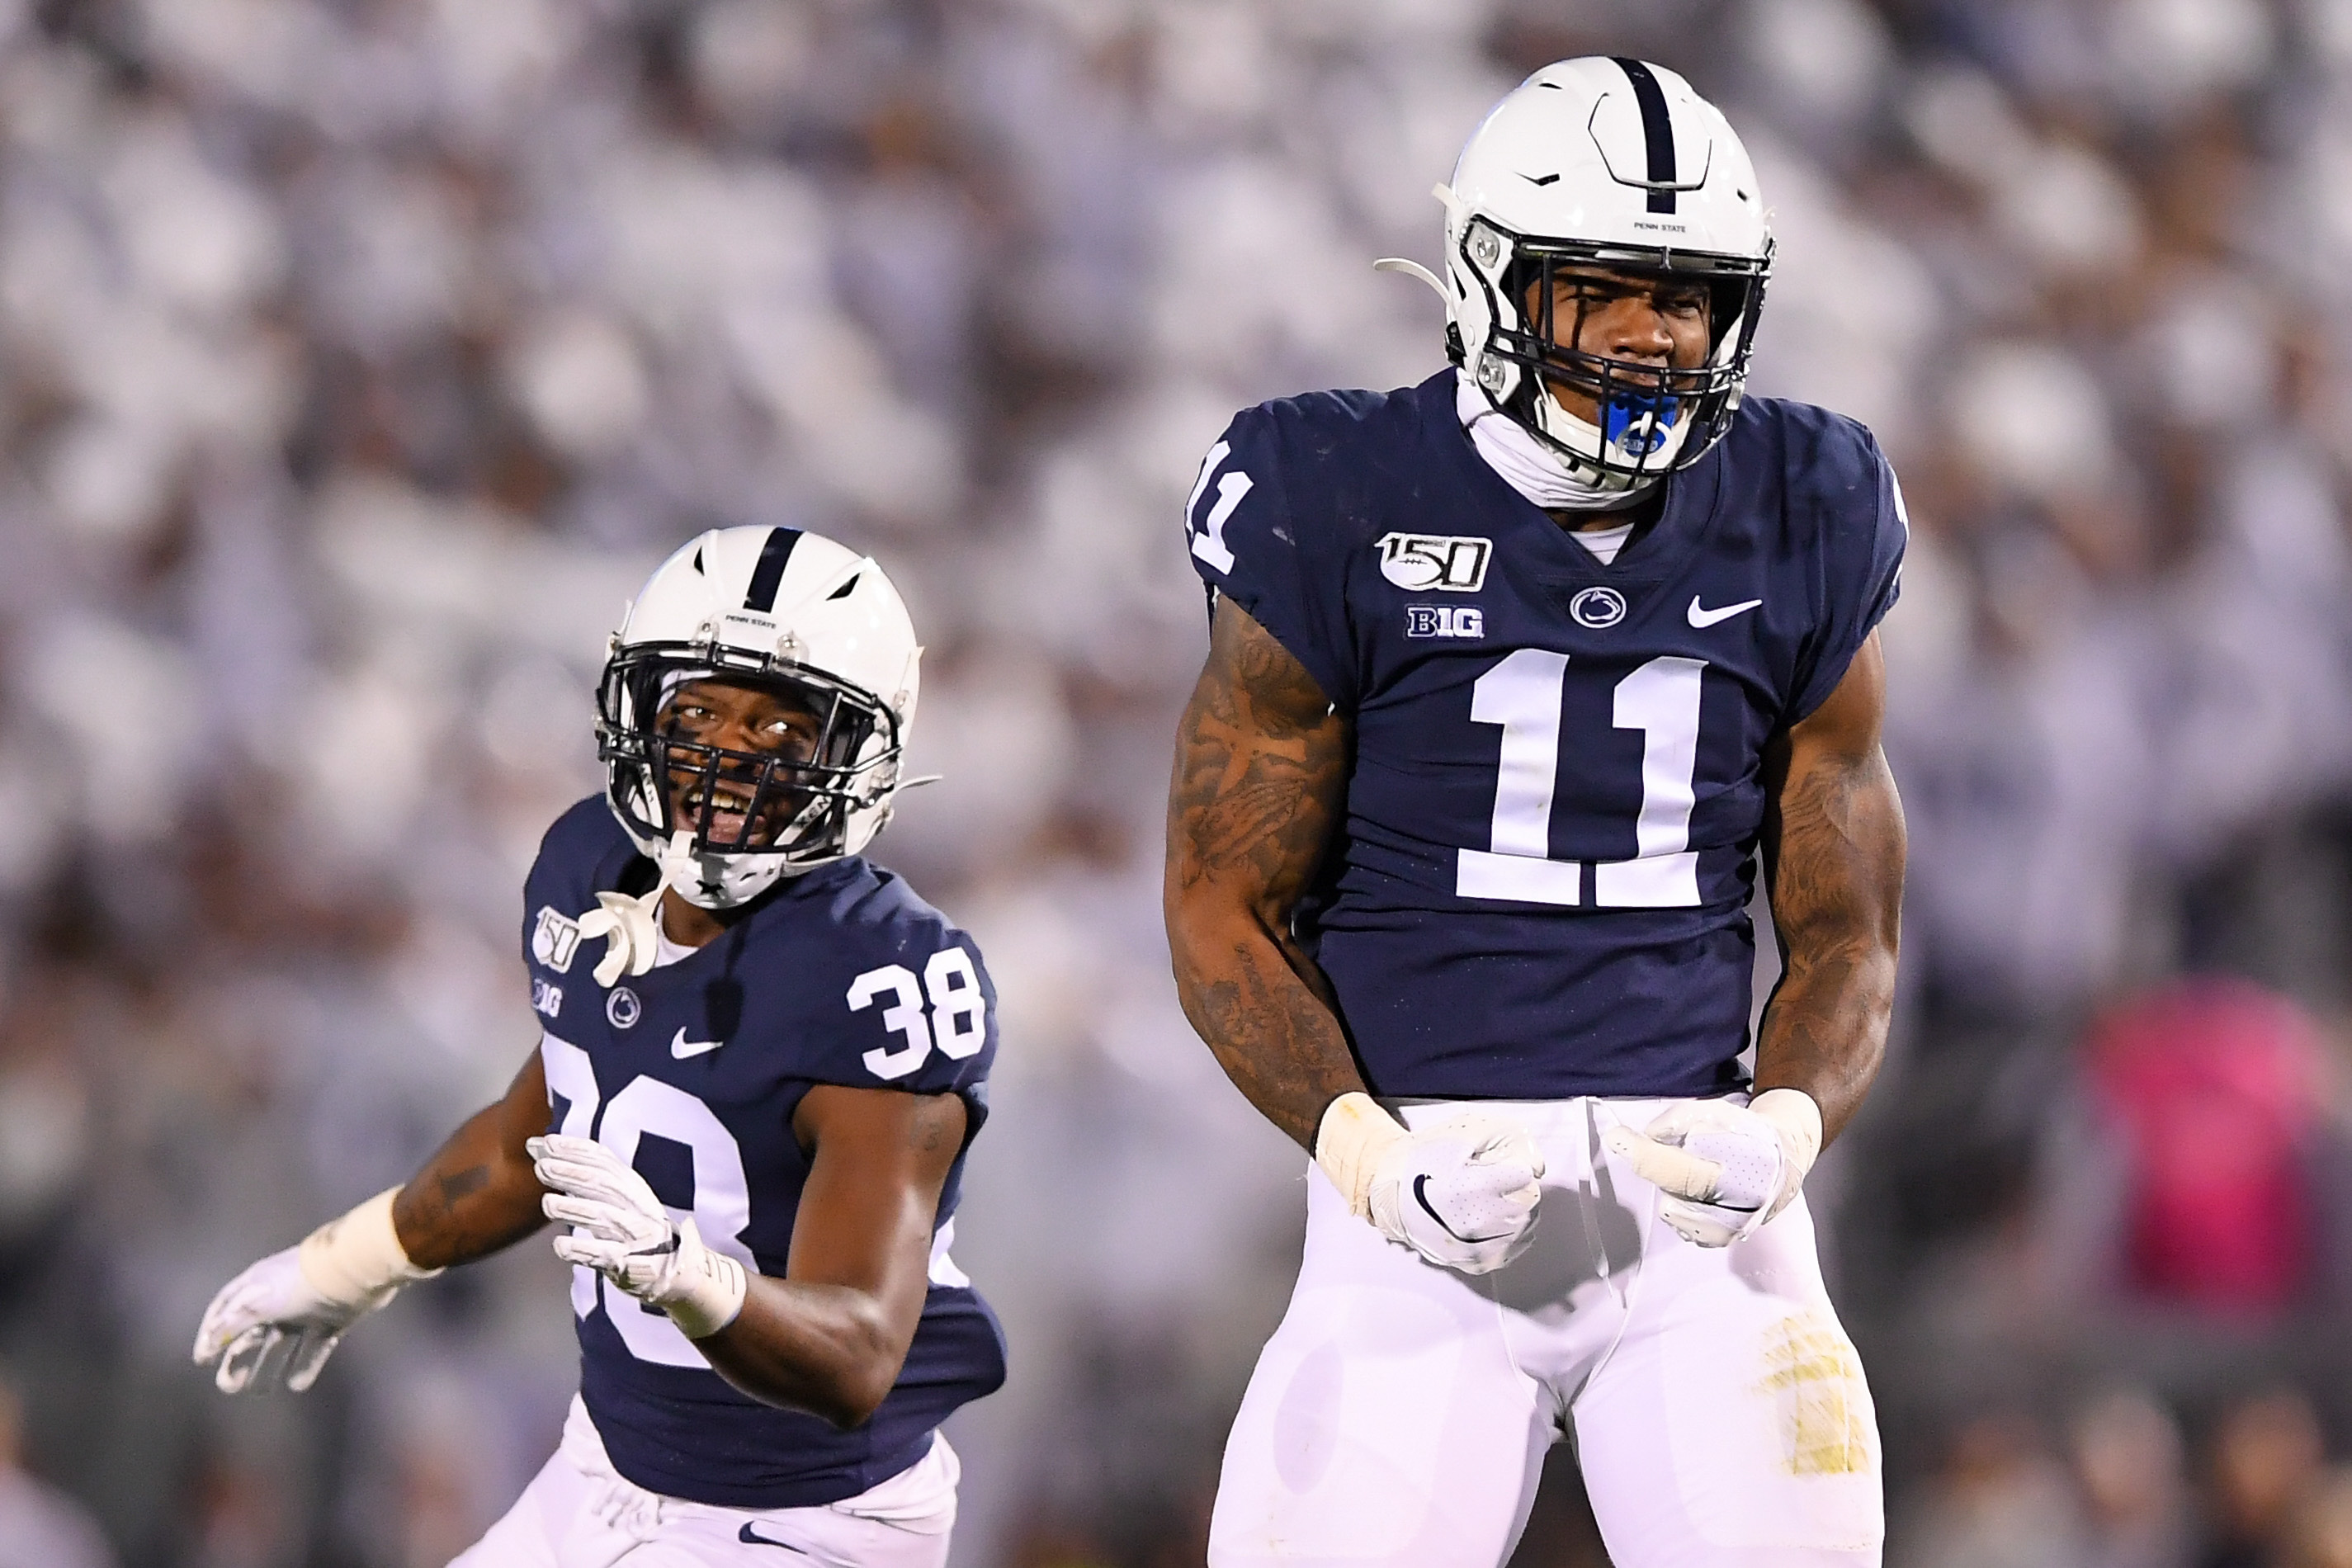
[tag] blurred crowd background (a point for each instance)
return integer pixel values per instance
(358, 357)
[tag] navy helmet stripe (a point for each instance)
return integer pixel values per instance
(1657, 130)
(769, 573)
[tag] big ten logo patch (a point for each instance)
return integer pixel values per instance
(1811, 1371)
(1444, 621)
(554, 939)
(1451, 563)
(548, 999)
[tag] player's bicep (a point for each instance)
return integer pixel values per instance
(1847, 726)
(1261, 771)
(879, 1160)
(1834, 839)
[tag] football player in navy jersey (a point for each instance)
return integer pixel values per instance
(762, 1062)
(1516, 679)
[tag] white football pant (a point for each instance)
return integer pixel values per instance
(1398, 1416)
(578, 1513)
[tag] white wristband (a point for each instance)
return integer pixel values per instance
(707, 1294)
(353, 1260)
(1794, 1114)
(1354, 1133)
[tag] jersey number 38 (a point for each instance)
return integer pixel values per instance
(956, 1025)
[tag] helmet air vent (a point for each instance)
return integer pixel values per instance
(843, 590)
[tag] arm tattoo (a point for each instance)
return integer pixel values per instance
(1833, 851)
(458, 1184)
(933, 1124)
(478, 1192)
(1261, 779)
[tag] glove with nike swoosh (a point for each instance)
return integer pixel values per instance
(622, 1230)
(1725, 1169)
(1461, 1194)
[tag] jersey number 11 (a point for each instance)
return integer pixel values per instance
(1522, 694)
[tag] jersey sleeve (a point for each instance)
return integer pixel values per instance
(1864, 530)
(917, 1014)
(1254, 538)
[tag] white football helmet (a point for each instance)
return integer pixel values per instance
(773, 610)
(1609, 163)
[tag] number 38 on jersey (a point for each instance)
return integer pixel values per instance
(954, 1022)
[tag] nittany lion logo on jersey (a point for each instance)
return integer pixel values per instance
(1598, 608)
(1453, 564)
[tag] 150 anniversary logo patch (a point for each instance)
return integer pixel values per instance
(1451, 563)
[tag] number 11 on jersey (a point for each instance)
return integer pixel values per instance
(1522, 694)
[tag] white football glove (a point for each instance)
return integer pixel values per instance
(623, 1232)
(1725, 1169)
(1463, 1193)
(279, 1321)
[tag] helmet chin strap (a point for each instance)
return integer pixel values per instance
(1532, 468)
(700, 880)
(710, 881)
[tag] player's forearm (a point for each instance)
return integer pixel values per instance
(474, 1196)
(1837, 896)
(1825, 1030)
(834, 1351)
(1266, 1013)
(1260, 782)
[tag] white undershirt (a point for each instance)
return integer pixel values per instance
(666, 952)
(1605, 542)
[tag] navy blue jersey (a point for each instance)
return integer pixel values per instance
(692, 1073)
(1540, 889)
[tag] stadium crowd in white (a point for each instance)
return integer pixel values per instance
(358, 357)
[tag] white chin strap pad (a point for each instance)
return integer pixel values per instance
(1582, 436)
(715, 881)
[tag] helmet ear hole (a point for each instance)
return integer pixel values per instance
(1485, 245)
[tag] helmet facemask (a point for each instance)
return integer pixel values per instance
(739, 818)
(1652, 420)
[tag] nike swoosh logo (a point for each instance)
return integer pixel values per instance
(751, 1536)
(1423, 1199)
(681, 1047)
(1702, 616)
